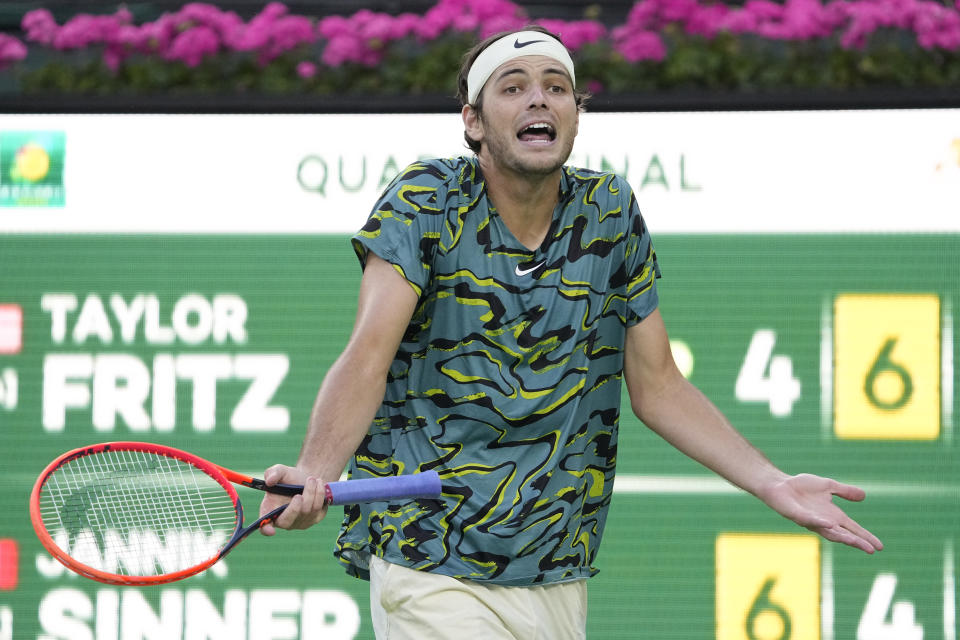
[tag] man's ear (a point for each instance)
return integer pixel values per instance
(472, 123)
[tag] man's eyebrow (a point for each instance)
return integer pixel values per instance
(511, 72)
(519, 71)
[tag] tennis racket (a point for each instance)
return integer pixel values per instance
(133, 513)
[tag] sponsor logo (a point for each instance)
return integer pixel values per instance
(523, 272)
(519, 45)
(31, 168)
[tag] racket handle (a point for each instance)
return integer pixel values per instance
(417, 485)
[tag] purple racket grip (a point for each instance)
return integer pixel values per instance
(417, 485)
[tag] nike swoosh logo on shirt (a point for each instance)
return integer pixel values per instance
(519, 45)
(523, 272)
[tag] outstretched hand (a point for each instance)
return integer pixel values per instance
(304, 510)
(808, 500)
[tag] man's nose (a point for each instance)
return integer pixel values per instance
(537, 97)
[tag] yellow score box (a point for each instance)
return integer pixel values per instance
(887, 366)
(768, 586)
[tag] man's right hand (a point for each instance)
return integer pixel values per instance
(304, 510)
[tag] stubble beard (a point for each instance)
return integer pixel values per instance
(499, 150)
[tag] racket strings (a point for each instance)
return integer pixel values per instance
(137, 513)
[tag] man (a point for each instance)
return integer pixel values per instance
(504, 298)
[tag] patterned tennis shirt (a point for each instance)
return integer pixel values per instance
(508, 379)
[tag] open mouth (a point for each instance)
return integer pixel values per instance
(537, 132)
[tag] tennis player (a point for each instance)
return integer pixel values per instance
(505, 299)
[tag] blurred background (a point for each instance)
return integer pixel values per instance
(343, 55)
(179, 182)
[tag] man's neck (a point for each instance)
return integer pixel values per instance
(525, 203)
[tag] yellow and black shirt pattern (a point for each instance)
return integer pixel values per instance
(508, 379)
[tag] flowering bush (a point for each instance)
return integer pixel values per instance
(664, 44)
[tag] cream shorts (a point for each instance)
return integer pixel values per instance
(417, 605)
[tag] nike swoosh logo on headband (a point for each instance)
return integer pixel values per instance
(519, 45)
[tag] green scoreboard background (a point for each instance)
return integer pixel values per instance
(832, 352)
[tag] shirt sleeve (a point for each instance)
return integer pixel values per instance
(403, 227)
(641, 263)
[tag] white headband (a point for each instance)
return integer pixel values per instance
(524, 43)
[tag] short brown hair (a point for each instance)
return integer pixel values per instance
(471, 56)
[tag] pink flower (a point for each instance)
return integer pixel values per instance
(158, 35)
(937, 27)
(130, 37)
(575, 34)
(78, 32)
(306, 70)
(341, 49)
(39, 26)
(333, 26)
(123, 16)
(435, 21)
(284, 35)
(764, 9)
(740, 21)
(643, 16)
(677, 10)
(11, 50)
(643, 45)
(83, 30)
(257, 32)
(374, 26)
(806, 20)
(113, 58)
(198, 13)
(594, 86)
(193, 45)
(500, 23)
(856, 35)
(273, 11)
(558, 27)
(405, 25)
(466, 23)
(706, 21)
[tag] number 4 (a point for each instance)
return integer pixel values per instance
(873, 623)
(777, 387)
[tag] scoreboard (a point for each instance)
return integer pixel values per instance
(188, 280)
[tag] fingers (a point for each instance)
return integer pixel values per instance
(848, 531)
(268, 504)
(306, 509)
(820, 514)
(302, 510)
(870, 542)
(848, 491)
(855, 536)
(276, 474)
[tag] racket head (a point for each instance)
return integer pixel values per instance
(134, 513)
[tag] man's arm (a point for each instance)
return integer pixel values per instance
(348, 398)
(675, 409)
